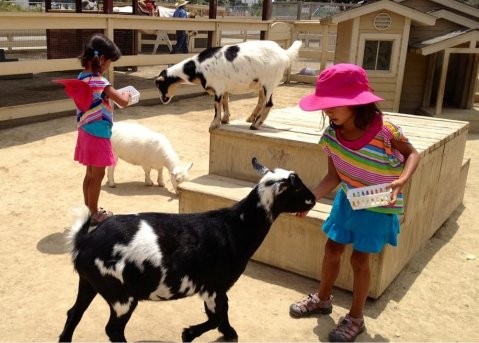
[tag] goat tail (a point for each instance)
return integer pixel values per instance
(293, 50)
(81, 215)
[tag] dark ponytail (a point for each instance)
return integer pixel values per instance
(99, 45)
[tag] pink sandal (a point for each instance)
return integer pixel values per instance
(347, 330)
(100, 216)
(311, 304)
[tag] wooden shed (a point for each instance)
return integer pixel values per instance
(421, 55)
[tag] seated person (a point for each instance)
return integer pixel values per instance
(148, 7)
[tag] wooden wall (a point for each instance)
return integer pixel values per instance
(343, 42)
(414, 83)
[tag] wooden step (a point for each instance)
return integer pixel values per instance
(289, 139)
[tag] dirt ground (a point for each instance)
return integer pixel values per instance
(435, 297)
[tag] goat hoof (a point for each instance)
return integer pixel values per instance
(252, 127)
(112, 185)
(187, 335)
(230, 335)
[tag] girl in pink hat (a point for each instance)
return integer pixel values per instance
(95, 120)
(363, 149)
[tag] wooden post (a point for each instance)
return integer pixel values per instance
(442, 83)
(78, 6)
(471, 89)
(135, 10)
(48, 5)
(324, 47)
(266, 15)
(299, 9)
(212, 15)
(426, 99)
(107, 6)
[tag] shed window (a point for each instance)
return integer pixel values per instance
(377, 54)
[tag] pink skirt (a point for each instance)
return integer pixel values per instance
(93, 151)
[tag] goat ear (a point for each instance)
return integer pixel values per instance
(259, 167)
(293, 179)
(160, 79)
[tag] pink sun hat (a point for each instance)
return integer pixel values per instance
(342, 84)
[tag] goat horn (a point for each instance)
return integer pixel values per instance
(259, 167)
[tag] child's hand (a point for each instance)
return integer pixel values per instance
(126, 95)
(396, 187)
(301, 214)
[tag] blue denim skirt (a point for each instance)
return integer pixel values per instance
(366, 230)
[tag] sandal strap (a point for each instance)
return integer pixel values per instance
(349, 327)
(312, 301)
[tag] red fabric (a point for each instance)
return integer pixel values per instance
(79, 91)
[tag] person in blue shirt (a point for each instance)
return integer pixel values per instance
(181, 35)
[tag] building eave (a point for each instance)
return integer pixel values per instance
(418, 17)
(428, 49)
(456, 18)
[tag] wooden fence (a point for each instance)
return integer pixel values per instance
(223, 31)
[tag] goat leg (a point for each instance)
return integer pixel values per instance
(259, 107)
(229, 334)
(160, 180)
(86, 294)
(217, 313)
(263, 115)
(148, 180)
(216, 120)
(226, 110)
(115, 328)
(111, 174)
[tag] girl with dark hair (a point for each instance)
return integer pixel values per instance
(93, 148)
(364, 149)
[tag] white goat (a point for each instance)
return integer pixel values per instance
(138, 145)
(240, 68)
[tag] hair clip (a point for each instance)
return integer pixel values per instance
(96, 53)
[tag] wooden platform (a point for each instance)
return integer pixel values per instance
(288, 139)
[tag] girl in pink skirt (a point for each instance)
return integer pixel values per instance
(95, 119)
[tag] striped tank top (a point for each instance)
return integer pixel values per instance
(368, 161)
(100, 108)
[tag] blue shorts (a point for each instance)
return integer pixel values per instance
(366, 230)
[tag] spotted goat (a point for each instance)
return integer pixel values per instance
(164, 256)
(253, 66)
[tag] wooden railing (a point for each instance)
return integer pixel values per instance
(222, 31)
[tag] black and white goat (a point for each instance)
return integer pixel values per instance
(241, 68)
(161, 256)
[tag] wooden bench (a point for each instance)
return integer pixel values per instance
(288, 139)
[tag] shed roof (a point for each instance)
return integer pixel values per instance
(456, 18)
(418, 17)
(456, 5)
(447, 40)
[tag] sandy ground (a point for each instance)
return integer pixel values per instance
(435, 298)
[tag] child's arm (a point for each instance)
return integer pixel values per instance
(121, 99)
(327, 184)
(412, 159)
(329, 181)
